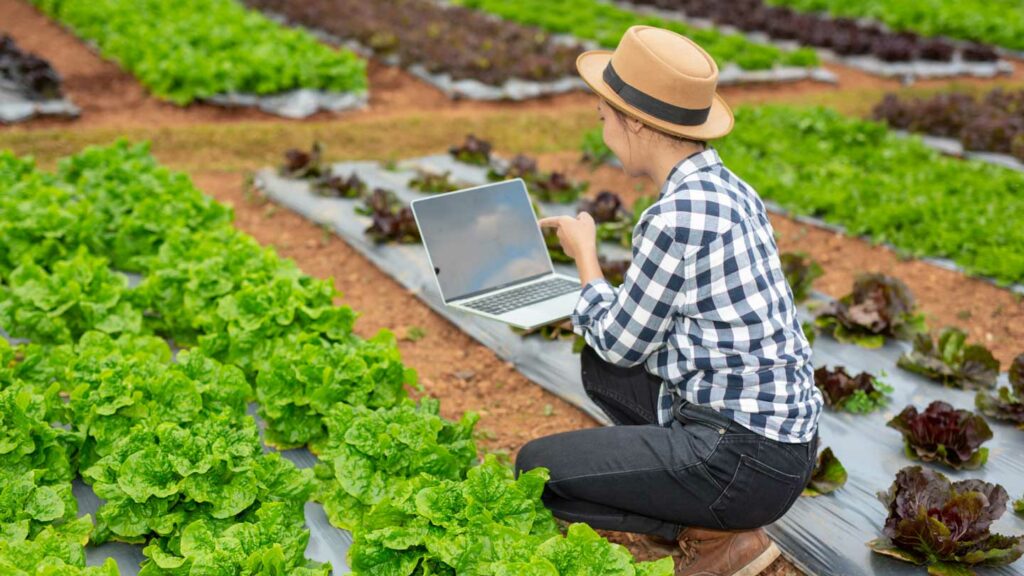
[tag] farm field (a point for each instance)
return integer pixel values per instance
(140, 228)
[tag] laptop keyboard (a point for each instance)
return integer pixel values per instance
(524, 296)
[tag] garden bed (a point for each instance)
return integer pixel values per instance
(858, 45)
(169, 47)
(808, 533)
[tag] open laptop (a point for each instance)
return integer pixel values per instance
(489, 258)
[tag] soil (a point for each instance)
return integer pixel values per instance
(111, 97)
(452, 367)
(991, 315)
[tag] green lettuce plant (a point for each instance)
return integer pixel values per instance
(488, 523)
(80, 294)
(368, 453)
(829, 475)
(306, 377)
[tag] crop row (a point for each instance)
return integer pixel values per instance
(184, 50)
(991, 123)
(168, 445)
(998, 22)
(891, 189)
(605, 23)
(443, 39)
(844, 36)
(34, 77)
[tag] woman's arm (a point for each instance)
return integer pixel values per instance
(624, 325)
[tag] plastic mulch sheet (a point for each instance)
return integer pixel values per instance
(826, 535)
(14, 107)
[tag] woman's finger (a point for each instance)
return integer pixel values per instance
(550, 222)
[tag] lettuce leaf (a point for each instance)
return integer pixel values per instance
(952, 361)
(1008, 404)
(879, 306)
(829, 475)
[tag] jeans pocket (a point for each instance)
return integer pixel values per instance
(757, 495)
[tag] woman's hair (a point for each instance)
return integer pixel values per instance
(620, 117)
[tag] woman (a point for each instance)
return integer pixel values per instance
(698, 358)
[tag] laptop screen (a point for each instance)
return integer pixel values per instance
(482, 238)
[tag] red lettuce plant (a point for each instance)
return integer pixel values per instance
(301, 164)
(952, 361)
(945, 525)
(1009, 403)
(944, 434)
(473, 151)
(878, 306)
(859, 394)
(392, 221)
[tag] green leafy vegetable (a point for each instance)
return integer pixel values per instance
(81, 294)
(829, 475)
(305, 379)
(184, 50)
(488, 523)
(368, 453)
(952, 361)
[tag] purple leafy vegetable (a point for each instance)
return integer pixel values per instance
(944, 434)
(858, 394)
(301, 164)
(473, 151)
(1008, 404)
(801, 272)
(879, 306)
(945, 525)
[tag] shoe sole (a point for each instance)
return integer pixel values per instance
(762, 562)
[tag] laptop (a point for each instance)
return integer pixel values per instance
(489, 257)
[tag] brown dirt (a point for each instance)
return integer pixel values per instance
(992, 316)
(111, 97)
(462, 373)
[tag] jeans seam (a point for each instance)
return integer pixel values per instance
(601, 474)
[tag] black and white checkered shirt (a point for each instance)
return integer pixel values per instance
(706, 306)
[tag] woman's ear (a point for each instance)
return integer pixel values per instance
(634, 125)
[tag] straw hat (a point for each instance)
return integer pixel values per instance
(662, 79)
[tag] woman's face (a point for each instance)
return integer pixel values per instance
(616, 136)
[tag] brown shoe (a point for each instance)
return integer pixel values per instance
(718, 553)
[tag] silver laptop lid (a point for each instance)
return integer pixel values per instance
(480, 239)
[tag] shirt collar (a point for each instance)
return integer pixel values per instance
(691, 164)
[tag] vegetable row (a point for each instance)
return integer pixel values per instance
(462, 43)
(844, 36)
(168, 445)
(190, 50)
(604, 23)
(33, 77)
(877, 184)
(993, 122)
(998, 22)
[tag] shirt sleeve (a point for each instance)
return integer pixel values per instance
(625, 325)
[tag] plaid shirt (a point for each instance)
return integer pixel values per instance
(705, 305)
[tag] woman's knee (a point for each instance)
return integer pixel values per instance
(534, 454)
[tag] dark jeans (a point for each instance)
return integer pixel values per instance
(704, 471)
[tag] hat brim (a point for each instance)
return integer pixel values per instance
(591, 65)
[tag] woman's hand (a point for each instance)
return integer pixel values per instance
(578, 237)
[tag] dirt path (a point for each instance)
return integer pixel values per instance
(111, 97)
(991, 315)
